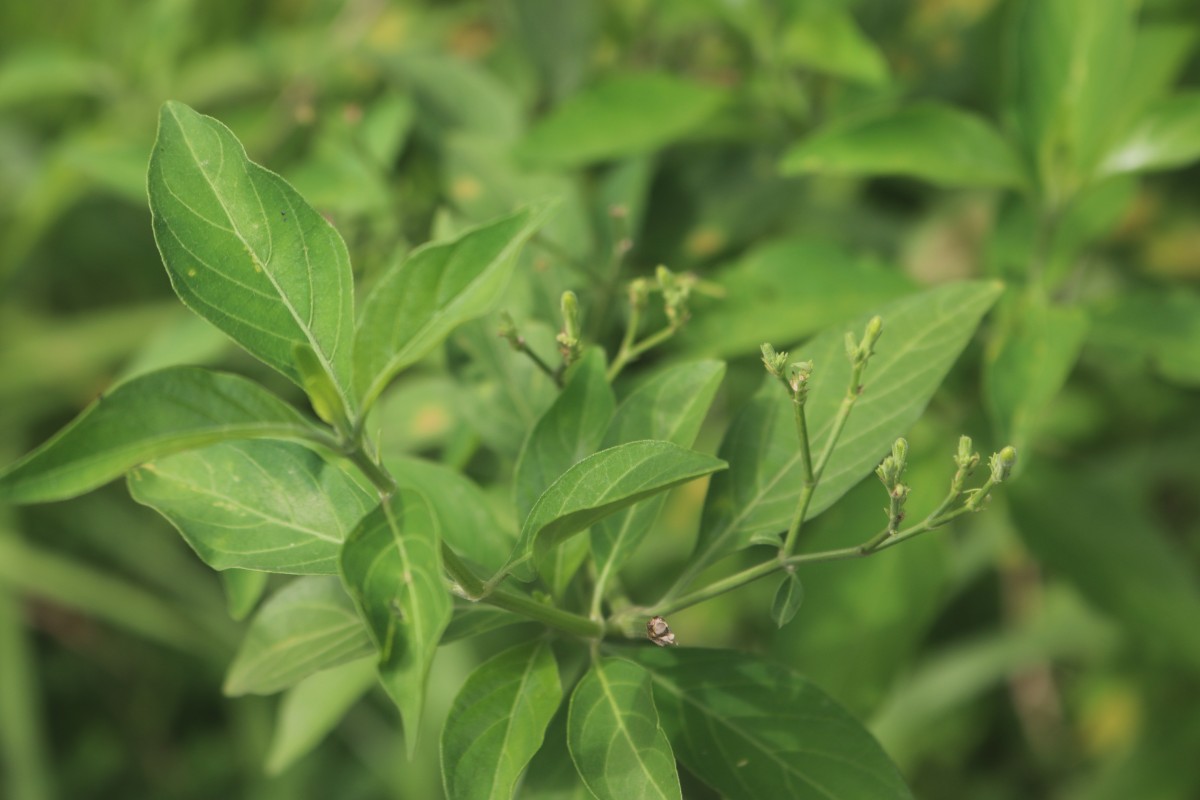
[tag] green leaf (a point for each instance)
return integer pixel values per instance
(1090, 527)
(243, 589)
(147, 417)
(788, 598)
(571, 429)
(824, 37)
(416, 305)
(260, 505)
(313, 707)
(615, 738)
(620, 116)
(498, 721)
(923, 334)
(392, 566)
(1029, 367)
(1164, 138)
(1068, 61)
(931, 142)
(765, 303)
(245, 251)
(464, 512)
(307, 626)
(753, 729)
(603, 484)
(669, 407)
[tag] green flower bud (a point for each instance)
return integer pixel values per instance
(570, 312)
(774, 361)
(874, 329)
(1002, 463)
(798, 377)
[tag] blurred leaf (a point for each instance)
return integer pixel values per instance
(497, 722)
(671, 407)
(558, 38)
(753, 729)
(181, 339)
(788, 598)
(825, 38)
(152, 415)
(392, 566)
(615, 737)
(1094, 214)
(416, 305)
(98, 594)
(45, 74)
(313, 707)
(765, 302)
(603, 484)
(337, 177)
(1161, 764)
(246, 252)
(1159, 55)
(23, 743)
(417, 414)
(385, 127)
(923, 335)
(1089, 526)
(621, 116)
(464, 513)
(1029, 364)
(460, 94)
(501, 393)
(1066, 58)
(931, 142)
(1164, 138)
(1161, 326)
(258, 505)
(243, 589)
(483, 180)
(950, 678)
(307, 626)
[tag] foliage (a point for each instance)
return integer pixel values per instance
(462, 454)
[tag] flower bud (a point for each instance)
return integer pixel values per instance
(774, 361)
(570, 312)
(1002, 463)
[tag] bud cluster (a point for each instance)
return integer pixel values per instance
(890, 472)
(794, 376)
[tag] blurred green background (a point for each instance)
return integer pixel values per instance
(1047, 648)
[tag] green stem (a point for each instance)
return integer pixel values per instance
(810, 480)
(813, 473)
(550, 616)
(881, 541)
(556, 375)
(628, 353)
